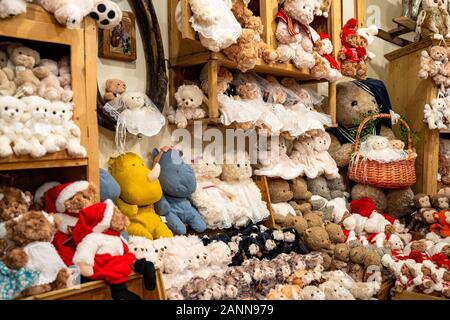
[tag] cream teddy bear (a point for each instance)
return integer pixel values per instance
(189, 99)
(218, 207)
(71, 132)
(56, 140)
(50, 87)
(327, 165)
(7, 85)
(25, 60)
(434, 114)
(13, 133)
(39, 110)
(10, 8)
(69, 13)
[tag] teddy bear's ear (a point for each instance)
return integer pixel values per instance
(36, 56)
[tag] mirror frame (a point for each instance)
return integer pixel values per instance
(157, 81)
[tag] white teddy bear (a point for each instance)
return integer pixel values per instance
(189, 99)
(218, 207)
(72, 132)
(434, 114)
(69, 13)
(56, 141)
(39, 110)
(13, 133)
(10, 8)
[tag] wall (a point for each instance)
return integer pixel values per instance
(133, 73)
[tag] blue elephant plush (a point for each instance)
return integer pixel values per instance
(178, 183)
(109, 188)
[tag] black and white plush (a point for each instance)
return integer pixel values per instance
(107, 14)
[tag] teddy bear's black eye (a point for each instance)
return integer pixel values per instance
(238, 165)
(64, 111)
(74, 21)
(156, 251)
(45, 110)
(37, 109)
(184, 99)
(6, 108)
(135, 249)
(192, 100)
(17, 110)
(354, 103)
(20, 52)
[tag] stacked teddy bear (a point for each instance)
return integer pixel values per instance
(41, 122)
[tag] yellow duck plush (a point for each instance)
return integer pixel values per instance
(140, 190)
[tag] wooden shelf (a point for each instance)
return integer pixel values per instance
(57, 160)
(99, 290)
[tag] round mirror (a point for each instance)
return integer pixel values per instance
(146, 58)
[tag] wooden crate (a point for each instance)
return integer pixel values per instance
(416, 296)
(99, 290)
(39, 26)
(186, 50)
(409, 94)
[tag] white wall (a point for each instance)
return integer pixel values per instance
(134, 73)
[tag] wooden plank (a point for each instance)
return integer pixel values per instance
(389, 37)
(360, 13)
(385, 290)
(416, 296)
(213, 103)
(43, 164)
(187, 32)
(92, 143)
(413, 47)
(268, 12)
(263, 185)
(406, 23)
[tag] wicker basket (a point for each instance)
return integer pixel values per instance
(394, 175)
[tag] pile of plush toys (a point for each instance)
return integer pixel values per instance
(444, 165)
(35, 105)
(69, 13)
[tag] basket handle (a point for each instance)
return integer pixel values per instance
(381, 116)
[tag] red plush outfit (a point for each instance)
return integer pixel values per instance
(101, 247)
(443, 225)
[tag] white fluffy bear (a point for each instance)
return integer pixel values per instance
(189, 99)
(55, 141)
(38, 110)
(69, 13)
(71, 131)
(11, 8)
(218, 207)
(13, 133)
(434, 114)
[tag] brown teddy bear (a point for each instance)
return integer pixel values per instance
(13, 203)
(224, 79)
(335, 232)
(32, 234)
(341, 257)
(313, 219)
(114, 89)
(298, 223)
(301, 196)
(280, 191)
(317, 239)
(26, 75)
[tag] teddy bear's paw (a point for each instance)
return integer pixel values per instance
(22, 148)
(12, 8)
(107, 14)
(51, 94)
(38, 151)
(77, 151)
(67, 95)
(6, 151)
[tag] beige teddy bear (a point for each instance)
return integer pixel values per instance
(25, 61)
(189, 99)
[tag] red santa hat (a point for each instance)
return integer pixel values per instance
(56, 196)
(94, 219)
(324, 36)
(364, 207)
(349, 29)
(39, 195)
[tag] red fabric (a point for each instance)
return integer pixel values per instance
(51, 196)
(282, 15)
(389, 218)
(87, 220)
(418, 256)
(371, 237)
(333, 63)
(323, 36)
(362, 53)
(364, 207)
(348, 29)
(441, 260)
(113, 269)
(65, 247)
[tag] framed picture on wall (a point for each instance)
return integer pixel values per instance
(120, 43)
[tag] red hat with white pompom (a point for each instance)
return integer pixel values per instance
(349, 29)
(56, 197)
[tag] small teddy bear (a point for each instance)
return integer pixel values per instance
(433, 20)
(50, 87)
(430, 63)
(189, 99)
(72, 132)
(13, 203)
(25, 61)
(114, 89)
(32, 234)
(68, 13)
(434, 114)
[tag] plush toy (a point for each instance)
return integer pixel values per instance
(326, 66)
(7, 85)
(50, 87)
(40, 129)
(189, 99)
(431, 63)
(11, 8)
(65, 75)
(71, 13)
(433, 20)
(295, 36)
(442, 226)
(25, 61)
(13, 203)
(109, 188)
(353, 54)
(139, 195)
(174, 205)
(219, 208)
(32, 234)
(13, 133)
(56, 140)
(114, 89)
(400, 202)
(434, 114)
(327, 165)
(72, 132)
(224, 79)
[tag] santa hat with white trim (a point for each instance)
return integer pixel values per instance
(39, 195)
(368, 33)
(94, 219)
(56, 196)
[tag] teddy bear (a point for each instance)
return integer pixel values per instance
(431, 63)
(174, 204)
(433, 20)
(189, 99)
(304, 157)
(335, 291)
(65, 75)
(7, 85)
(32, 234)
(13, 132)
(139, 195)
(317, 239)
(442, 226)
(335, 232)
(218, 208)
(68, 13)
(11, 8)
(114, 89)
(281, 195)
(13, 203)
(434, 114)
(25, 61)
(50, 87)
(319, 187)
(327, 165)
(295, 36)
(102, 254)
(224, 80)
(326, 66)
(72, 132)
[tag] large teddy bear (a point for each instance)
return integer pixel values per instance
(25, 61)
(295, 37)
(140, 191)
(178, 183)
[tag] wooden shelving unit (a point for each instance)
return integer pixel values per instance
(409, 94)
(405, 25)
(186, 51)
